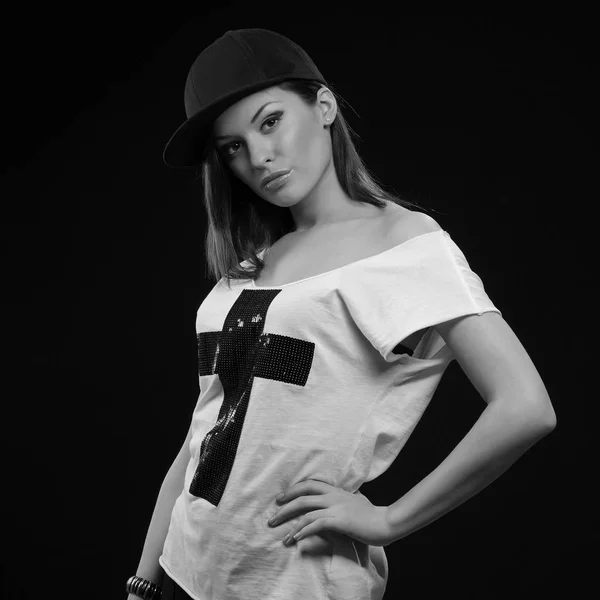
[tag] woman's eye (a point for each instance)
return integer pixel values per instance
(274, 117)
(227, 148)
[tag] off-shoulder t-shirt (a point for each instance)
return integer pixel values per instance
(300, 381)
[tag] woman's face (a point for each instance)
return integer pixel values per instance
(285, 134)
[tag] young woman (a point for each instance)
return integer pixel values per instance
(335, 312)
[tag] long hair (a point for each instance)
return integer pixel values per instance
(241, 223)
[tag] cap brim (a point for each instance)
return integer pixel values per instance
(185, 147)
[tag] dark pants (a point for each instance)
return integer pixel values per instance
(171, 591)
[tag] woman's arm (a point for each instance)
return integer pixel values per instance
(172, 486)
(503, 432)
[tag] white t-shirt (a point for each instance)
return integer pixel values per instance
(300, 382)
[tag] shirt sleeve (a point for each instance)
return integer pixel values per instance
(422, 282)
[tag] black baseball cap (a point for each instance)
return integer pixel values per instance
(239, 63)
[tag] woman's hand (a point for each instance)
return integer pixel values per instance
(321, 506)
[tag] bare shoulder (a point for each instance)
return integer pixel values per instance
(408, 224)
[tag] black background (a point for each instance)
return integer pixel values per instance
(484, 120)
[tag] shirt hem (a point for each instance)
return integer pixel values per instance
(168, 571)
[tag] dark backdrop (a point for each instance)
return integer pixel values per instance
(483, 120)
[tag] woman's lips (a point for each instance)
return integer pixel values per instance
(277, 183)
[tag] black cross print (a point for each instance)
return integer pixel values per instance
(239, 353)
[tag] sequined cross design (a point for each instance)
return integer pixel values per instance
(238, 353)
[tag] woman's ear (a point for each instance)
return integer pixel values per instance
(327, 105)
